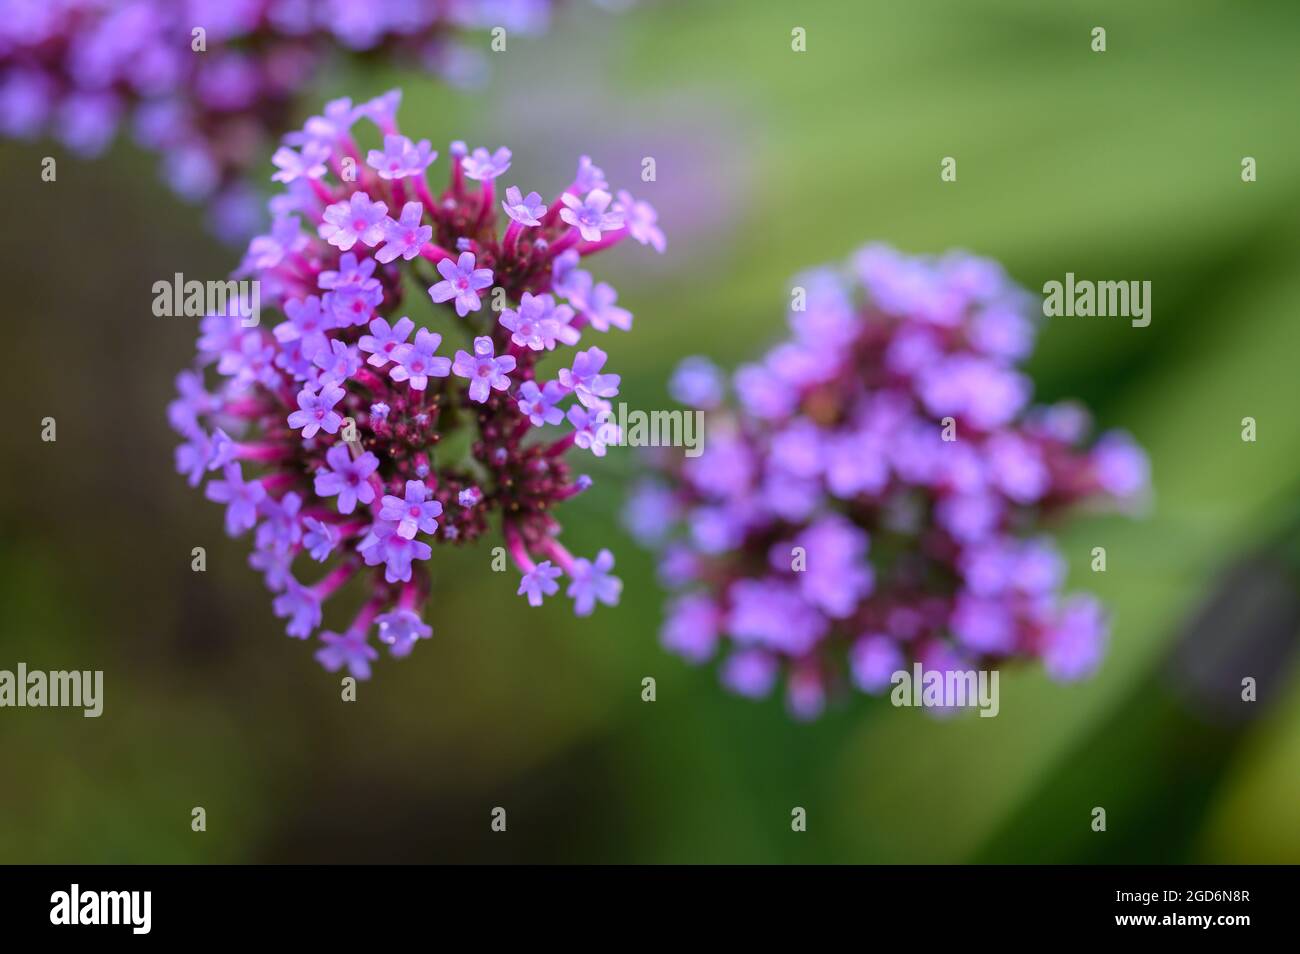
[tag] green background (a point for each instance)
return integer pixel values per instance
(1117, 165)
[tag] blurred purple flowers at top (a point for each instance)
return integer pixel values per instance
(877, 493)
(205, 83)
(346, 408)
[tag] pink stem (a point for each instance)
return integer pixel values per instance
(334, 580)
(606, 241)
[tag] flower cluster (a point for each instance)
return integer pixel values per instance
(206, 83)
(371, 441)
(877, 495)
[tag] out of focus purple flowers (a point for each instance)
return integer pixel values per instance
(206, 83)
(347, 435)
(879, 490)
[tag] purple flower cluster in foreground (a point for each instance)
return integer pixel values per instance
(877, 495)
(80, 68)
(333, 435)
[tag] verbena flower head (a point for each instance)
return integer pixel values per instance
(79, 69)
(878, 491)
(346, 435)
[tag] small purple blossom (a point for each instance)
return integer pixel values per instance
(353, 221)
(486, 371)
(383, 340)
(539, 582)
(241, 499)
(540, 404)
(593, 430)
(484, 166)
(401, 158)
(316, 411)
(526, 210)
(539, 324)
(641, 221)
(346, 478)
(301, 605)
(462, 282)
(589, 215)
(348, 649)
(319, 538)
(406, 236)
(585, 379)
(414, 513)
(418, 362)
(591, 582)
(309, 163)
(400, 630)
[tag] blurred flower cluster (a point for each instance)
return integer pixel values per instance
(371, 440)
(207, 83)
(878, 491)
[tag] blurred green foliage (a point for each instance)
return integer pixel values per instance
(1120, 165)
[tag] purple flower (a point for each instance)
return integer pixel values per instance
(241, 499)
(401, 630)
(383, 545)
(539, 404)
(401, 158)
(524, 210)
(691, 628)
(485, 166)
(589, 176)
(462, 282)
(342, 348)
(539, 582)
(588, 215)
(383, 341)
(356, 220)
(486, 371)
(1074, 645)
(415, 513)
(337, 363)
(281, 529)
(750, 673)
(319, 538)
(873, 661)
(585, 379)
(346, 478)
(406, 236)
(593, 429)
(316, 411)
(418, 362)
(591, 582)
(539, 324)
(1122, 467)
(348, 649)
(640, 219)
(301, 605)
(350, 272)
(310, 162)
(698, 383)
(600, 307)
(840, 438)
